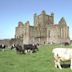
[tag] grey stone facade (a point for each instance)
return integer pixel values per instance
(43, 31)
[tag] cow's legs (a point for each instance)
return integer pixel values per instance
(71, 64)
(57, 63)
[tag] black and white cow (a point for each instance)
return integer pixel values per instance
(12, 47)
(2, 47)
(30, 47)
(19, 48)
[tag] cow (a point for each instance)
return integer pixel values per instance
(12, 47)
(19, 49)
(2, 47)
(30, 47)
(62, 54)
(66, 44)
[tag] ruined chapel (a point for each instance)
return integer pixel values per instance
(44, 30)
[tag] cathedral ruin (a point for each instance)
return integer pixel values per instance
(43, 31)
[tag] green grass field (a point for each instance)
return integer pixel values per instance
(42, 61)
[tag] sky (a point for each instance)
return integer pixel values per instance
(13, 11)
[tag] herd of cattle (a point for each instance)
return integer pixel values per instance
(59, 54)
(25, 48)
(22, 49)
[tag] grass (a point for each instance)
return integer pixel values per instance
(42, 61)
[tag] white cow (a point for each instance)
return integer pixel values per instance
(62, 54)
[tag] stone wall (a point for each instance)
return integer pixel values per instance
(5, 42)
(10, 42)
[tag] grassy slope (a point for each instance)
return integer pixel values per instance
(41, 61)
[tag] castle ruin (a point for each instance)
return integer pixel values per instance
(43, 31)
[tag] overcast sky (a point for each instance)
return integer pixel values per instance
(13, 11)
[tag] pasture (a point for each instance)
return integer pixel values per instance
(42, 61)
